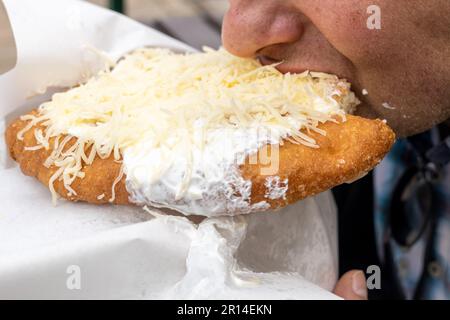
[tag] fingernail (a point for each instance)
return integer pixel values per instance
(359, 285)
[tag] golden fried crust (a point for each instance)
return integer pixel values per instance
(348, 150)
(99, 176)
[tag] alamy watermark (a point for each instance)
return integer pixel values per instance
(373, 280)
(374, 19)
(73, 281)
(258, 146)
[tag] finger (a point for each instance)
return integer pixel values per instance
(352, 286)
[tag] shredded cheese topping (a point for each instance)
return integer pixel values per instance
(157, 97)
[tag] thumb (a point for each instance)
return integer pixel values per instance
(352, 286)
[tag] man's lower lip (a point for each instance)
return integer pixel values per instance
(285, 68)
(282, 67)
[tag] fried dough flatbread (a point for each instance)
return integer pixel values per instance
(349, 150)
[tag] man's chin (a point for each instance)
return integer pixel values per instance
(366, 111)
(397, 123)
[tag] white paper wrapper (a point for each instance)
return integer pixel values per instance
(80, 251)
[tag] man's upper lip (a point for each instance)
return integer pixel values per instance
(266, 60)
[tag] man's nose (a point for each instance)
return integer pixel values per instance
(251, 25)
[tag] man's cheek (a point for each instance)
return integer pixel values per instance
(353, 27)
(353, 39)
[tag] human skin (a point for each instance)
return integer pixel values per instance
(405, 64)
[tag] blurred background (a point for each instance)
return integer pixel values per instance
(196, 22)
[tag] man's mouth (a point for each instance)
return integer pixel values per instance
(282, 65)
(266, 60)
(289, 66)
